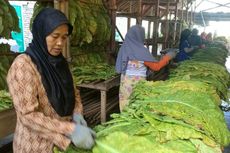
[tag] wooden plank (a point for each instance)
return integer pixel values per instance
(112, 83)
(103, 85)
(96, 82)
(92, 86)
(7, 122)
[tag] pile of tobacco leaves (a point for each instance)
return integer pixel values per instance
(179, 115)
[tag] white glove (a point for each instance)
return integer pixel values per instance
(172, 54)
(79, 119)
(83, 137)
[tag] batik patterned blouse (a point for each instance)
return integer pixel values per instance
(38, 126)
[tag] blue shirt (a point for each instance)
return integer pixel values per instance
(182, 55)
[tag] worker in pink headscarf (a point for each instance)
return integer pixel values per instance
(203, 38)
(209, 37)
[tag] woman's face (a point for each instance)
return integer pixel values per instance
(57, 39)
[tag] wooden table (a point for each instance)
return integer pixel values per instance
(103, 86)
(7, 122)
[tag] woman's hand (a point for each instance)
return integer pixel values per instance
(172, 54)
(79, 119)
(83, 137)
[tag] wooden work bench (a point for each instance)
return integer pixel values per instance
(103, 86)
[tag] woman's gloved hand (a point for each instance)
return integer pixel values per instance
(79, 119)
(195, 47)
(83, 137)
(172, 53)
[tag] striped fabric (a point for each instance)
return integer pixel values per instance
(38, 127)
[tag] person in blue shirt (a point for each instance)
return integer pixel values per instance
(184, 46)
(195, 39)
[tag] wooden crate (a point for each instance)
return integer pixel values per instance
(103, 86)
(7, 122)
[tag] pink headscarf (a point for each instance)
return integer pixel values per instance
(203, 35)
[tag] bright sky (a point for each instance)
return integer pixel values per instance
(221, 28)
(212, 5)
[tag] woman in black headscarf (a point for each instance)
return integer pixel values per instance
(43, 93)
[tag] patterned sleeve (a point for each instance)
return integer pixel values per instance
(78, 105)
(23, 90)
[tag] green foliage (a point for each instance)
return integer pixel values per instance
(38, 6)
(166, 116)
(9, 20)
(71, 149)
(92, 72)
(5, 63)
(90, 21)
(221, 38)
(5, 100)
(211, 54)
(213, 74)
(193, 102)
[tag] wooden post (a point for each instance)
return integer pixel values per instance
(166, 28)
(191, 14)
(103, 106)
(56, 4)
(187, 12)
(155, 28)
(68, 53)
(182, 19)
(130, 11)
(175, 23)
(62, 5)
(112, 46)
(149, 30)
(139, 12)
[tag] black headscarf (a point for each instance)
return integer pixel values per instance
(54, 70)
(184, 36)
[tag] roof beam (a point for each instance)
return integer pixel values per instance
(224, 5)
(215, 7)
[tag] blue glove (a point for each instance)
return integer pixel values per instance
(83, 137)
(79, 119)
